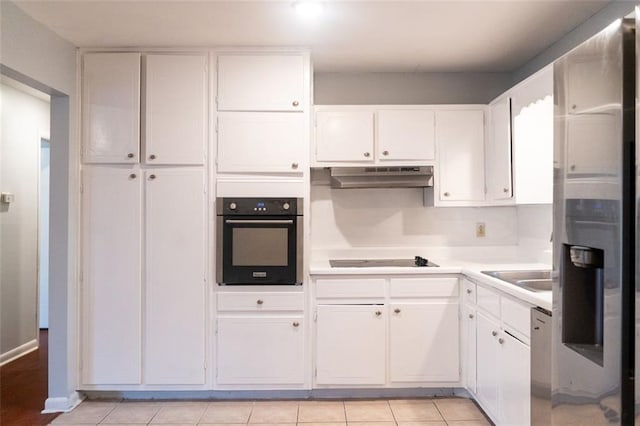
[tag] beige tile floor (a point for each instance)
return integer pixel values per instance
(400, 412)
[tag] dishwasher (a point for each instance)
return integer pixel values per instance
(540, 366)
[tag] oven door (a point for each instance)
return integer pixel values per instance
(259, 250)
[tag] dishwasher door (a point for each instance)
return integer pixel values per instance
(540, 367)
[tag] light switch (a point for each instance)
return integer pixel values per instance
(7, 197)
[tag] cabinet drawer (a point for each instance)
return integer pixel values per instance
(488, 300)
(469, 291)
(424, 287)
(259, 301)
(516, 316)
(365, 288)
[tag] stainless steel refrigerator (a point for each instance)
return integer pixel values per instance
(594, 294)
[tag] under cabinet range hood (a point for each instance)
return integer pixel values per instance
(382, 177)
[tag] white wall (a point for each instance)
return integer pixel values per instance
(35, 55)
(408, 88)
(535, 224)
(24, 119)
(362, 218)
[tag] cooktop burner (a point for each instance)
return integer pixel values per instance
(381, 263)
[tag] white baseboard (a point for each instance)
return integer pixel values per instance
(62, 405)
(16, 353)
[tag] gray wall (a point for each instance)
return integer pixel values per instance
(35, 55)
(408, 88)
(595, 24)
(25, 119)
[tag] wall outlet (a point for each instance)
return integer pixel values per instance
(481, 230)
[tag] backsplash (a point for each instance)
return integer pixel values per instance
(349, 218)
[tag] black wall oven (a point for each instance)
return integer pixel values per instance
(259, 241)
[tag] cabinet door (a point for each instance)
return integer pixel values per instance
(488, 366)
(406, 135)
(260, 350)
(515, 384)
(261, 83)
(344, 136)
(111, 107)
(350, 345)
(424, 342)
(460, 139)
(111, 275)
(175, 109)
(469, 329)
(498, 155)
(175, 271)
(261, 142)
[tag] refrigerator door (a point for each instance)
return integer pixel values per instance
(591, 353)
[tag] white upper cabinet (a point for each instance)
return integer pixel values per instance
(374, 134)
(406, 135)
(261, 141)
(171, 101)
(498, 151)
(532, 111)
(111, 107)
(344, 136)
(261, 82)
(460, 142)
(175, 109)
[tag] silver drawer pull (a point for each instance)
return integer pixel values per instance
(259, 301)
(259, 222)
(296, 323)
(396, 310)
(378, 313)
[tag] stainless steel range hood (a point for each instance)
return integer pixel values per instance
(382, 177)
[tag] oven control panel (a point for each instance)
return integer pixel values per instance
(259, 206)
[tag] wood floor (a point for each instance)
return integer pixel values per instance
(23, 388)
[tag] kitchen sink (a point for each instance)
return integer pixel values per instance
(529, 280)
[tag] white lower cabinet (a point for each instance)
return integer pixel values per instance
(402, 332)
(260, 339)
(143, 325)
(423, 342)
(503, 362)
(469, 342)
(350, 345)
(258, 349)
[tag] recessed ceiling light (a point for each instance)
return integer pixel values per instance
(308, 9)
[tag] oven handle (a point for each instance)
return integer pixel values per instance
(257, 221)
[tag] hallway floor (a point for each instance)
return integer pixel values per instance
(413, 412)
(23, 388)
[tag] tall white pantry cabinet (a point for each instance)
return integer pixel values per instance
(144, 219)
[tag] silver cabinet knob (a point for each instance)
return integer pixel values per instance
(396, 310)
(468, 291)
(295, 103)
(470, 316)
(573, 167)
(378, 313)
(259, 301)
(294, 165)
(501, 340)
(505, 190)
(152, 177)
(494, 333)
(446, 194)
(152, 157)
(130, 155)
(296, 323)
(385, 152)
(132, 176)
(366, 154)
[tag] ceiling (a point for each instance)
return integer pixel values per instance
(352, 35)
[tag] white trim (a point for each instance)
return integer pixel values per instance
(62, 405)
(16, 353)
